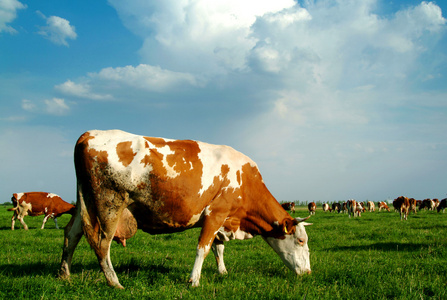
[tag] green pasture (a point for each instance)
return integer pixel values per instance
(376, 256)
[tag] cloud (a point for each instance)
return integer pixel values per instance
(122, 81)
(58, 30)
(8, 12)
(196, 36)
(55, 106)
(81, 90)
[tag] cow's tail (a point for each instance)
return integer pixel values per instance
(12, 209)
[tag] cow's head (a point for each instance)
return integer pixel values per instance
(291, 244)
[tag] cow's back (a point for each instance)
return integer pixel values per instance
(172, 181)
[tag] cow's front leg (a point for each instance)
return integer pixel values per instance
(218, 250)
(211, 225)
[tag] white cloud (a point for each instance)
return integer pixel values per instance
(145, 77)
(55, 106)
(81, 90)
(196, 36)
(58, 30)
(8, 12)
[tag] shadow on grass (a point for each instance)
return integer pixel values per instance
(43, 269)
(408, 247)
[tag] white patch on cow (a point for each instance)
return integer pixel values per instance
(51, 195)
(170, 171)
(130, 176)
(46, 209)
(213, 157)
(20, 195)
(225, 236)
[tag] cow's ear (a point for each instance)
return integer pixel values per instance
(289, 226)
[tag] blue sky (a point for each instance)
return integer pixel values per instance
(333, 99)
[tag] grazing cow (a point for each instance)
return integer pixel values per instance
(336, 207)
(326, 207)
(371, 206)
(402, 205)
(312, 207)
(351, 206)
(289, 206)
(36, 204)
(427, 204)
(413, 205)
(383, 205)
(442, 205)
(436, 201)
(167, 186)
(345, 207)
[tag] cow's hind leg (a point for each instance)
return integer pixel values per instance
(72, 234)
(218, 250)
(100, 231)
(23, 222)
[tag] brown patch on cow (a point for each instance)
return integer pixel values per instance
(125, 153)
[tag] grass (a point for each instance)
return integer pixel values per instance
(376, 256)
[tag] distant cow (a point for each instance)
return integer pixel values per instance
(344, 207)
(427, 204)
(166, 186)
(289, 206)
(402, 205)
(442, 205)
(36, 204)
(383, 205)
(371, 206)
(351, 206)
(312, 207)
(326, 207)
(413, 205)
(436, 201)
(336, 207)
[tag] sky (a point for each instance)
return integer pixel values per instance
(333, 99)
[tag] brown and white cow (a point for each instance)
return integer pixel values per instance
(312, 207)
(442, 205)
(427, 204)
(326, 207)
(413, 205)
(169, 186)
(289, 206)
(351, 206)
(36, 204)
(383, 205)
(371, 206)
(402, 205)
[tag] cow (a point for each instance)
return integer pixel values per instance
(336, 207)
(351, 206)
(36, 204)
(312, 207)
(436, 201)
(289, 206)
(442, 205)
(383, 205)
(371, 206)
(413, 205)
(167, 186)
(326, 207)
(345, 207)
(427, 204)
(402, 205)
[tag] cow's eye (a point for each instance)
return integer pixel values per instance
(300, 241)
